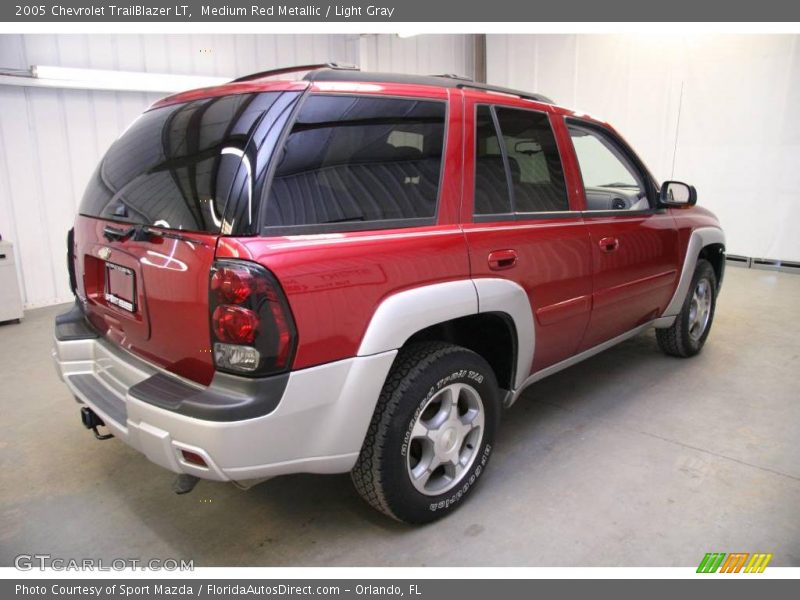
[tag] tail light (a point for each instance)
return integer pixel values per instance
(252, 328)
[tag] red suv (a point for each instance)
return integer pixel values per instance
(359, 272)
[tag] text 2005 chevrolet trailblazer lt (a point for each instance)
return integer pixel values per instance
(358, 272)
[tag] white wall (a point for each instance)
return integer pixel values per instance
(51, 139)
(421, 54)
(719, 111)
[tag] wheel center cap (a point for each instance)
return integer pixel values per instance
(449, 439)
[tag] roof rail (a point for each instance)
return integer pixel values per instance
(341, 72)
(295, 69)
(503, 90)
(454, 76)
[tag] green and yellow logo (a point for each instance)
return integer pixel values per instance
(744, 562)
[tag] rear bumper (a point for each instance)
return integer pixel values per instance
(317, 425)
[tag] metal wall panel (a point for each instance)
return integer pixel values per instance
(421, 54)
(52, 139)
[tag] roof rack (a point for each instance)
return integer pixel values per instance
(332, 71)
(469, 83)
(454, 76)
(483, 87)
(296, 69)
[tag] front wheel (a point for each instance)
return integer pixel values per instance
(688, 333)
(431, 435)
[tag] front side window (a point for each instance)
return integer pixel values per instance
(610, 180)
(518, 171)
(352, 160)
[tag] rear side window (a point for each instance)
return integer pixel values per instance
(175, 167)
(359, 162)
(518, 169)
(492, 194)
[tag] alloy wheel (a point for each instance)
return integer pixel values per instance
(445, 439)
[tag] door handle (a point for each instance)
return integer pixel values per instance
(502, 259)
(608, 244)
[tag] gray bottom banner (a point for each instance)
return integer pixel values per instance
(732, 587)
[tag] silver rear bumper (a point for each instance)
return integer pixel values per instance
(318, 425)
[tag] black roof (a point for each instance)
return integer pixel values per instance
(336, 72)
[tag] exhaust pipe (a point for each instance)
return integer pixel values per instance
(184, 483)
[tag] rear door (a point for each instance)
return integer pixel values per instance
(179, 177)
(363, 204)
(634, 245)
(522, 224)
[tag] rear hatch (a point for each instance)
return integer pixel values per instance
(178, 178)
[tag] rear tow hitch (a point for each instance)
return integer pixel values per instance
(91, 421)
(184, 483)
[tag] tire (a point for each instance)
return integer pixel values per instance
(395, 472)
(688, 333)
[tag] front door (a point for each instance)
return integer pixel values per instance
(635, 259)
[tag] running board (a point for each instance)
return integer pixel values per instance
(573, 360)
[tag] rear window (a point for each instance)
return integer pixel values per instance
(359, 162)
(177, 167)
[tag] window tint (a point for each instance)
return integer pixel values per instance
(175, 166)
(534, 174)
(492, 196)
(359, 159)
(537, 177)
(610, 181)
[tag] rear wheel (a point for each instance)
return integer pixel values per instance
(688, 333)
(431, 435)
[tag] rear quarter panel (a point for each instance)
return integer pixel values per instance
(335, 282)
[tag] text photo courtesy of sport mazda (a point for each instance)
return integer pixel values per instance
(360, 272)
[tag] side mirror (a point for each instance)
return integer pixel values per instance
(677, 194)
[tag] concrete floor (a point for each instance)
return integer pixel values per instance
(630, 459)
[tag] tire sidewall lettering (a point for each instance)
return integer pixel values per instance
(457, 495)
(470, 375)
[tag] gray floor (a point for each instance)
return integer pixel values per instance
(630, 459)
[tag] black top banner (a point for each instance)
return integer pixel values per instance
(464, 11)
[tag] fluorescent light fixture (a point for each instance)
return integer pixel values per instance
(407, 34)
(127, 80)
(100, 79)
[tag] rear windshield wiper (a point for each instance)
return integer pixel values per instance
(115, 234)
